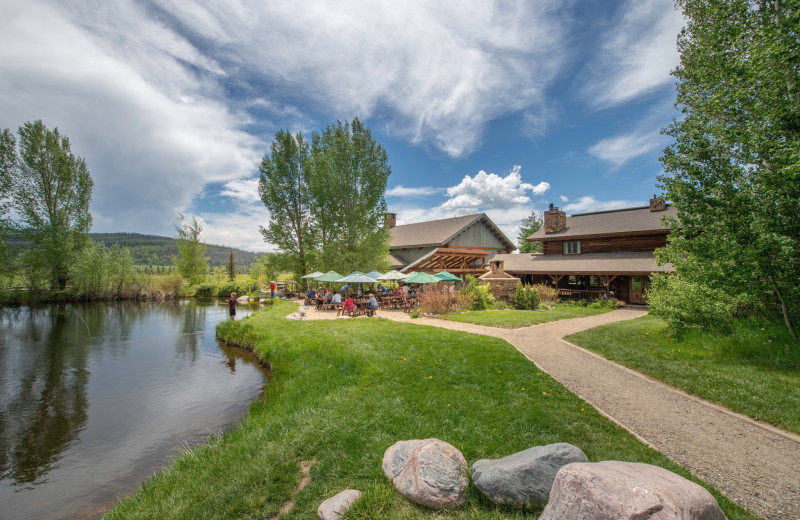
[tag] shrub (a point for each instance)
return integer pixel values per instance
(526, 298)
(547, 293)
(500, 305)
(478, 294)
(224, 290)
(171, 284)
(205, 289)
(685, 305)
(603, 304)
(439, 300)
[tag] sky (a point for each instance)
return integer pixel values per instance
(497, 107)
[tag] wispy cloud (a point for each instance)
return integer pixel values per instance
(638, 53)
(622, 148)
(421, 191)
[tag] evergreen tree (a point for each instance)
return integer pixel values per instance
(231, 267)
(530, 225)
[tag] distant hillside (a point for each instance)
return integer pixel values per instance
(156, 250)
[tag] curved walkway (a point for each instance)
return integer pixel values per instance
(752, 463)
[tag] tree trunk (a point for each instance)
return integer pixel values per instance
(786, 317)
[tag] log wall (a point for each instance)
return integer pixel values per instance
(628, 244)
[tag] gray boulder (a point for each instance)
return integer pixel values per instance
(616, 490)
(524, 478)
(428, 472)
(335, 507)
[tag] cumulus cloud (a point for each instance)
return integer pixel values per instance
(563, 198)
(588, 203)
(489, 190)
(620, 149)
(237, 227)
(638, 53)
(420, 191)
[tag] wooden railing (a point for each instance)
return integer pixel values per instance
(580, 294)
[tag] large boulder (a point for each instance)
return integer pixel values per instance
(616, 490)
(335, 507)
(428, 472)
(524, 478)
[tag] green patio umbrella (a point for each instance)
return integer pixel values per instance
(330, 276)
(421, 278)
(447, 277)
(312, 275)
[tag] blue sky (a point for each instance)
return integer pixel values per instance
(500, 107)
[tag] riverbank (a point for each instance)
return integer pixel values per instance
(342, 391)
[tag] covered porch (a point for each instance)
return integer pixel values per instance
(456, 260)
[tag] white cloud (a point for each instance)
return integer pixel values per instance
(622, 148)
(237, 227)
(245, 190)
(563, 198)
(141, 108)
(437, 72)
(589, 203)
(421, 191)
(638, 53)
(489, 190)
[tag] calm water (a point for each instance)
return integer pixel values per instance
(95, 398)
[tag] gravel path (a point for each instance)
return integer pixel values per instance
(752, 463)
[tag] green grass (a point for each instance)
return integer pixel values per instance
(341, 392)
(747, 369)
(512, 319)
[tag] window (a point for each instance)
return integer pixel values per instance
(572, 247)
(636, 283)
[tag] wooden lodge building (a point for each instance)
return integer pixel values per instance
(460, 245)
(591, 254)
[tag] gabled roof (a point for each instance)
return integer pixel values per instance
(440, 232)
(588, 264)
(628, 221)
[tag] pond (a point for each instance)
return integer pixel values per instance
(95, 398)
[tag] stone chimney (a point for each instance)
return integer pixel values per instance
(657, 204)
(497, 267)
(391, 220)
(555, 220)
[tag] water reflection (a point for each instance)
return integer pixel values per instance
(94, 398)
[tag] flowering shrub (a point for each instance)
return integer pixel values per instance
(439, 300)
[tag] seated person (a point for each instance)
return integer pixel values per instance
(349, 305)
(344, 288)
(359, 293)
(372, 304)
(399, 291)
(337, 298)
(312, 295)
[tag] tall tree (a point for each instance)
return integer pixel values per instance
(350, 172)
(231, 267)
(191, 262)
(8, 161)
(733, 170)
(50, 189)
(530, 225)
(284, 188)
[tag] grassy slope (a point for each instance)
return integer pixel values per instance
(512, 319)
(735, 370)
(343, 391)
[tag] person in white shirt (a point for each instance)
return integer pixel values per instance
(337, 298)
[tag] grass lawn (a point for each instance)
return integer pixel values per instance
(513, 319)
(745, 370)
(343, 391)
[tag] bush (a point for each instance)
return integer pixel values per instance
(500, 305)
(477, 294)
(526, 298)
(686, 305)
(224, 290)
(603, 304)
(171, 284)
(547, 293)
(205, 289)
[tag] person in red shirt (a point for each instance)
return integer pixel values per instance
(232, 305)
(349, 305)
(271, 289)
